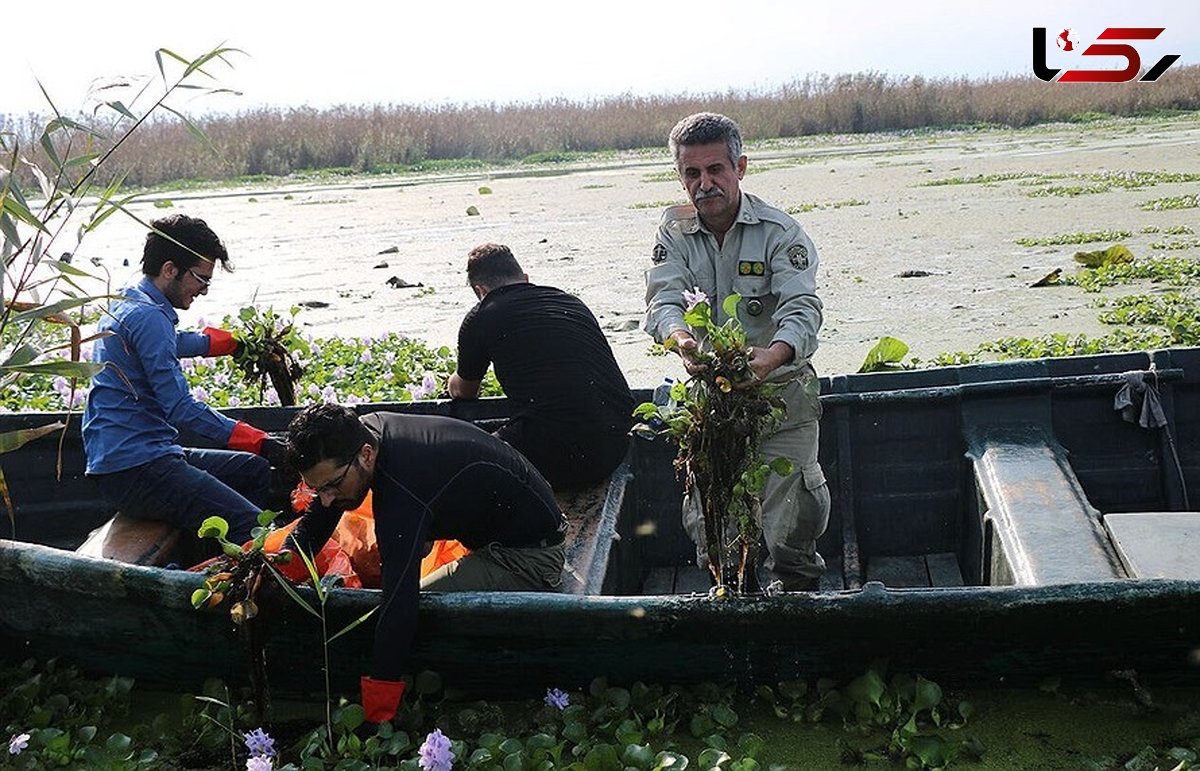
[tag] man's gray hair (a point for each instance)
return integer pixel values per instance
(705, 128)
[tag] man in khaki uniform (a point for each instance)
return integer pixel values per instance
(728, 241)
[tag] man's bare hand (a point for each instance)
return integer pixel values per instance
(764, 361)
(687, 348)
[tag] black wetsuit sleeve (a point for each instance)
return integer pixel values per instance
(316, 526)
(397, 622)
(401, 529)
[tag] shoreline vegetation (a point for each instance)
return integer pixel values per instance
(346, 140)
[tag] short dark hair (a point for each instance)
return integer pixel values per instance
(184, 241)
(704, 128)
(492, 265)
(323, 431)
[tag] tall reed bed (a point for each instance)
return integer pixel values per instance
(388, 138)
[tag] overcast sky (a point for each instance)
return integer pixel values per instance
(466, 51)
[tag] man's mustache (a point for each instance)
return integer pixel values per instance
(716, 192)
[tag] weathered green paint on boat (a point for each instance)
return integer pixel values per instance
(919, 463)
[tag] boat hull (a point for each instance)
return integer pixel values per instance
(137, 621)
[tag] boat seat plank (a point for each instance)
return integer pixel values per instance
(128, 539)
(944, 569)
(592, 515)
(1044, 529)
(1160, 544)
(898, 572)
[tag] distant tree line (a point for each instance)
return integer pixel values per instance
(389, 138)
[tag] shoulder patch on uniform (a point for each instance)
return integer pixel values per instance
(798, 256)
(659, 254)
(683, 211)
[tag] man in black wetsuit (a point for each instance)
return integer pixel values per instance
(432, 478)
(571, 405)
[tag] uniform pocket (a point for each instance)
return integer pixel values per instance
(812, 476)
(753, 288)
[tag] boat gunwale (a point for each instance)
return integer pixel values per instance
(103, 576)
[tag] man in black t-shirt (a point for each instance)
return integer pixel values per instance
(431, 477)
(571, 405)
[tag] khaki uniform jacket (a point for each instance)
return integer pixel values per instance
(767, 258)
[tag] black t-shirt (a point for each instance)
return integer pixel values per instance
(550, 357)
(435, 478)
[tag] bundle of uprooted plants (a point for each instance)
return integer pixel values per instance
(718, 419)
(269, 346)
(235, 577)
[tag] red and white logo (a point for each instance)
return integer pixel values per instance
(1066, 42)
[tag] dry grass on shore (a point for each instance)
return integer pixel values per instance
(390, 138)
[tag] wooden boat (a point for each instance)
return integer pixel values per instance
(994, 522)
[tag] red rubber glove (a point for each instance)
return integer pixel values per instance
(246, 438)
(381, 698)
(220, 342)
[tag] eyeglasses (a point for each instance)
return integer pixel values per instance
(332, 485)
(204, 280)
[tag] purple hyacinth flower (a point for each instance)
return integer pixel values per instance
(557, 699)
(435, 754)
(18, 743)
(693, 297)
(259, 742)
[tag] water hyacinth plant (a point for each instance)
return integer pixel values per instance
(718, 418)
(348, 370)
(268, 349)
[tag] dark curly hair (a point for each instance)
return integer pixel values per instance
(323, 431)
(184, 241)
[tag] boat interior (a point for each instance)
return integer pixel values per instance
(1020, 473)
(1030, 473)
